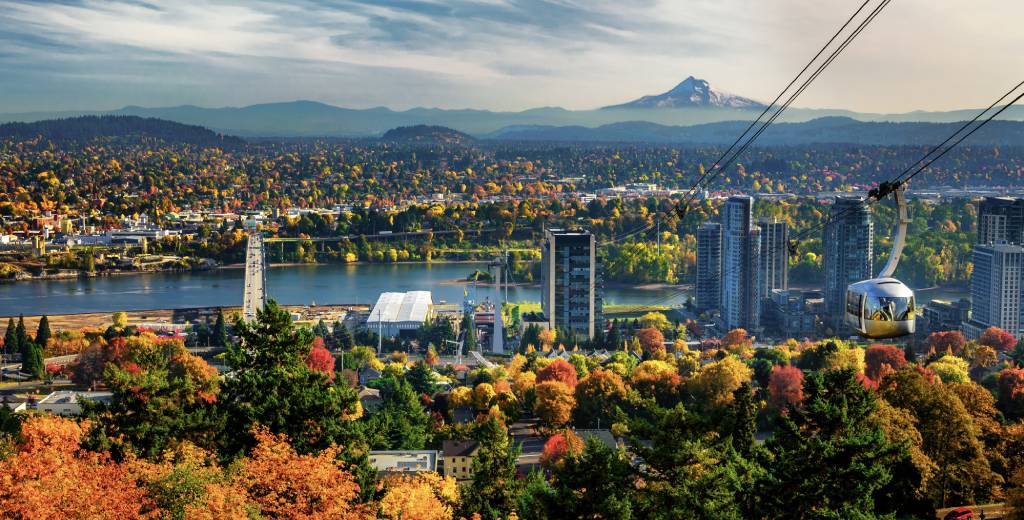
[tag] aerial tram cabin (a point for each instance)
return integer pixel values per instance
(883, 307)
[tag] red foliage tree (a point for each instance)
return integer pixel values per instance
(951, 340)
(559, 370)
(785, 387)
(876, 357)
(652, 341)
(1011, 392)
(320, 359)
(558, 446)
(998, 339)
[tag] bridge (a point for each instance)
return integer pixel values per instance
(381, 236)
(254, 296)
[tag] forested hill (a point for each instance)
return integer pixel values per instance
(426, 134)
(87, 128)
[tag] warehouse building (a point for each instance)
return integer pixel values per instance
(397, 312)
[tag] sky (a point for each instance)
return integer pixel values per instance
(496, 54)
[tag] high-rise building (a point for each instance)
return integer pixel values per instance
(571, 285)
(741, 252)
(996, 289)
(774, 265)
(1001, 221)
(709, 266)
(848, 247)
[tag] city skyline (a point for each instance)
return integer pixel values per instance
(493, 54)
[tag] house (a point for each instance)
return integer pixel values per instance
(369, 398)
(408, 461)
(458, 459)
(367, 374)
(603, 436)
(66, 402)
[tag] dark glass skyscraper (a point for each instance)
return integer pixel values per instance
(741, 252)
(774, 264)
(571, 285)
(709, 266)
(1001, 221)
(848, 247)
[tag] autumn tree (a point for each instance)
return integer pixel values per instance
(998, 339)
(50, 476)
(163, 395)
(554, 404)
(420, 496)
(952, 341)
(597, 397)
(878, 356)
(286, 484)
(962, 475)
(1011, 392)
(950, 369)
(271, 385)
(320, 359)
(559, 370)
(785, 388)
(715, 383)
(562, 443)
(652, 341)
(737, 341)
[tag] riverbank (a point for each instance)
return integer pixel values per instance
(165, 317)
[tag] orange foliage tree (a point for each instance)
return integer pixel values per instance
(50, 476)
(652, 341)
(423, 496)
(554, 404)
(559, 370)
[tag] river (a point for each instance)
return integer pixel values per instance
(290, 285)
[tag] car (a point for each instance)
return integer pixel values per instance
(960, 513)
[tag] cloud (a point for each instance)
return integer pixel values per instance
(501, 54)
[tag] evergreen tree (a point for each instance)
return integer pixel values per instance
(22, 337)
(321, 331)
(470, 330)
(598, 483)
(219, 336)
(401, 423)
(494, 489)
(531, 336)
(743, 419)
(11, 338)
(614, 339)
(342, 336)
(688, 468)
(32, 361)
(272, 386)
(43, 332)
(828, 457)
(420, 377)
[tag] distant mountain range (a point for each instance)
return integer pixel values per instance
(823, 130)
(86, 128)
(692, 92)
(692, 102)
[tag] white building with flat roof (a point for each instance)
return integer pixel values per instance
(395, 312)
(66, 402)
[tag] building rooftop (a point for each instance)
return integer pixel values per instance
(401, 307)
(459, 448)
(68, 396)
